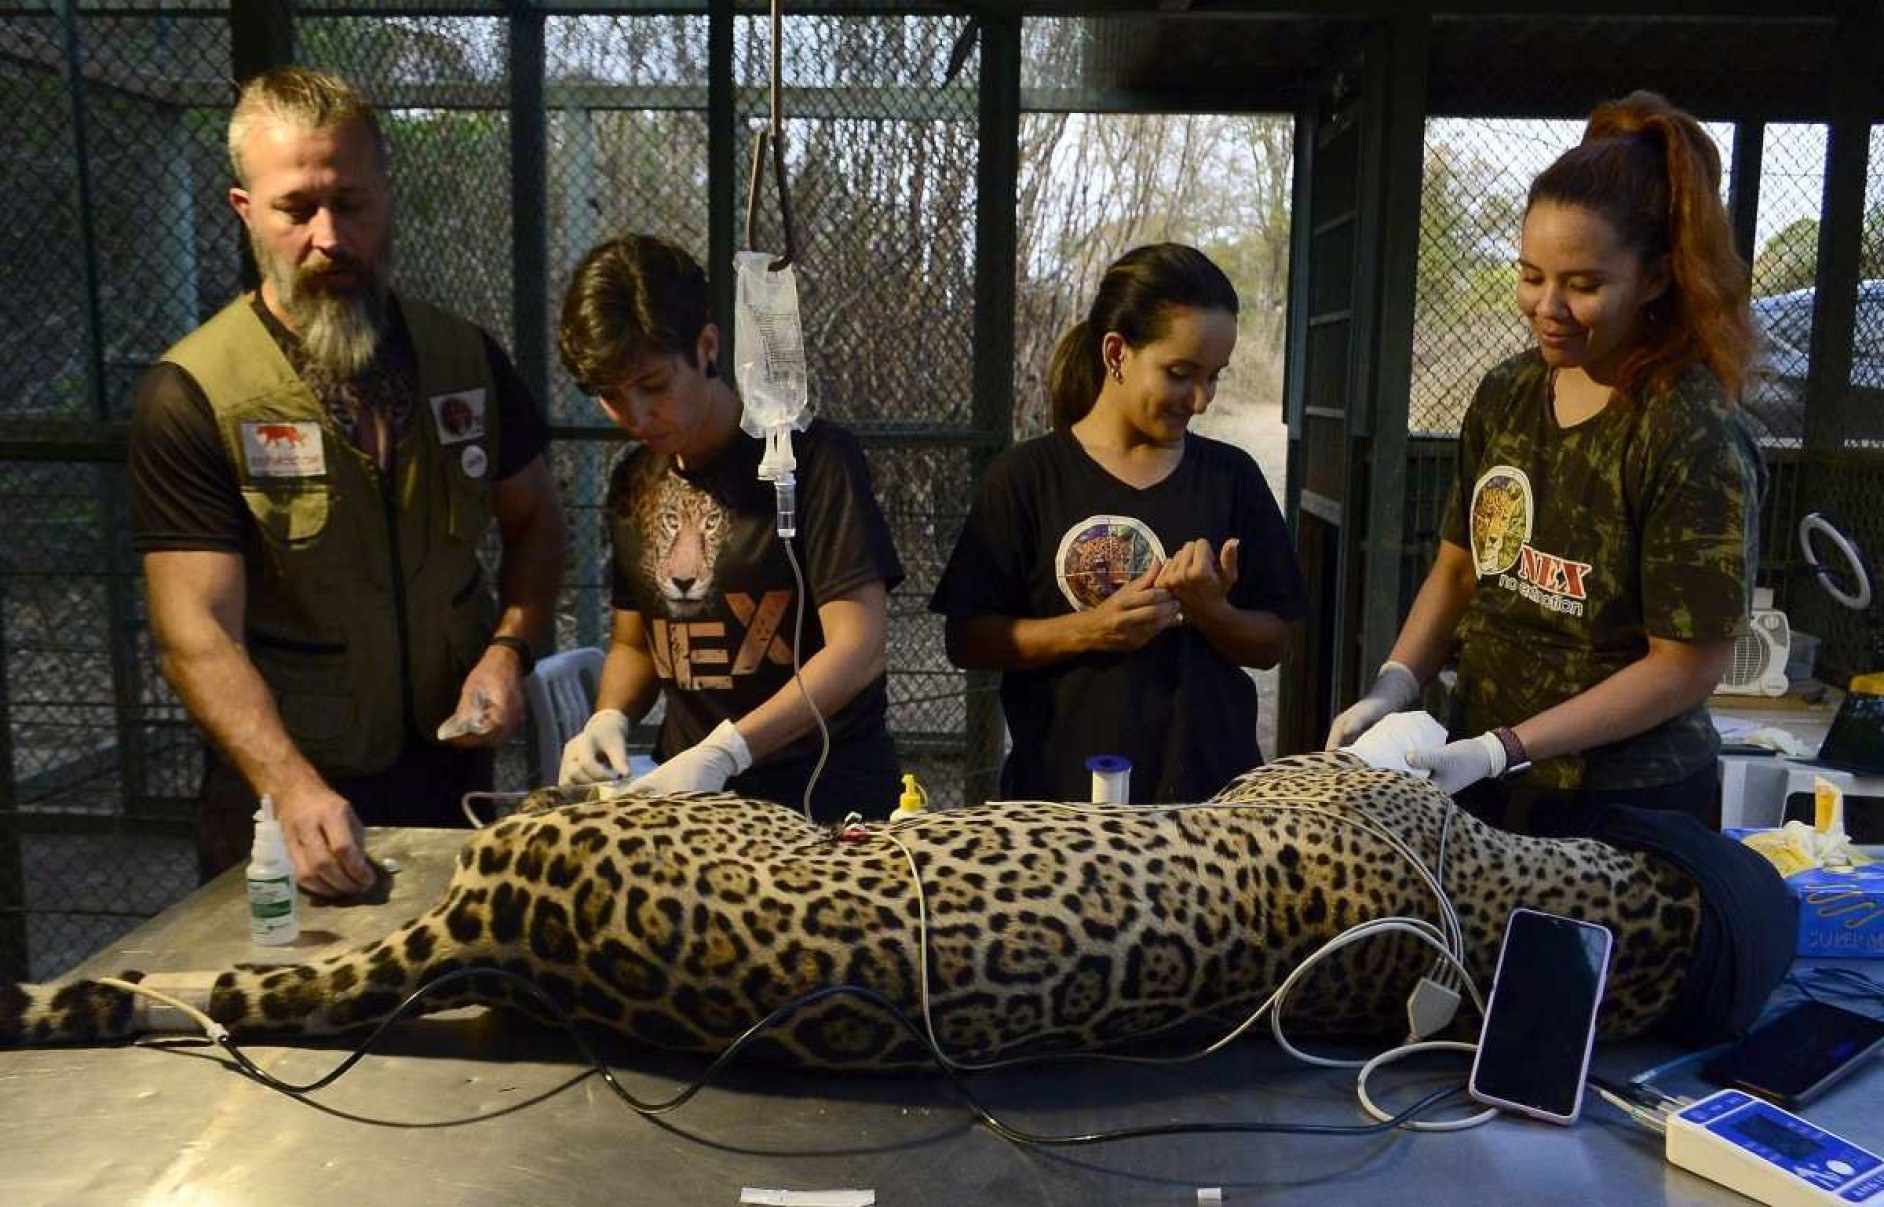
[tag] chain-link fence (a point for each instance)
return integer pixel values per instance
(1476, 175)
(118, 244)
(122, 121)
(1842, 433)
(881, 158)
(121, 242)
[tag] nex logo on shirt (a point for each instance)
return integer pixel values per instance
(693, 653)
(1552, 573)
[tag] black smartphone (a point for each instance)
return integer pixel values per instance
(1534, 1049)
(1792, 1059)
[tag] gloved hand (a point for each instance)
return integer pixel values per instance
(599, 752)
(1458, 764)
(702, 767)
(1394, 689)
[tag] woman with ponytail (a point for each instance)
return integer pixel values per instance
(1120, 572)
(1597, 558)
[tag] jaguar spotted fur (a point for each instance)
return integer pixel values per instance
(680, 922)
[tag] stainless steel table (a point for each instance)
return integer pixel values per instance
(471, 1108)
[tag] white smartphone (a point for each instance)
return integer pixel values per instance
(1534, 1050)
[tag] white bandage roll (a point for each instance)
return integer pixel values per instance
(1111, 779)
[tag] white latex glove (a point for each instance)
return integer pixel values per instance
(475, 719)
(1459, 764)
(599, 752)
(1394, 689)
(702, 767)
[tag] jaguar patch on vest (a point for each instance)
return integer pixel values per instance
(283, 449)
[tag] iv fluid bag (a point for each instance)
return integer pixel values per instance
(769, 346)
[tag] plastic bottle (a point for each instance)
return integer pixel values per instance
(274, 909)
(914, 799)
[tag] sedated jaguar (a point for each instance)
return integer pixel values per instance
(1034, 927)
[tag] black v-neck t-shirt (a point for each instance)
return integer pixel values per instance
(1051, 532)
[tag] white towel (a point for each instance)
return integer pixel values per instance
(1386, 744)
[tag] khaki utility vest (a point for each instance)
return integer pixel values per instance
(365, 603)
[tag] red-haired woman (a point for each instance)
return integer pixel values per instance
(1597, 558)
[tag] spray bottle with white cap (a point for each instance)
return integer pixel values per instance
(274, 911)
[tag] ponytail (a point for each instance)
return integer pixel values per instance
(1653, 173)
(1075, 376)
(1135, 298)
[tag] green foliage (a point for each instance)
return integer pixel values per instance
(451, 212)
(1469, 224)
(1471, 216)
(1789, 260)
(1093, 186)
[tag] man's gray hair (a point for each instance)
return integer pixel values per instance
(302, 98)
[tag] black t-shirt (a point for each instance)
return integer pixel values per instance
(697, 555)
(1052, 532)
(183, 487)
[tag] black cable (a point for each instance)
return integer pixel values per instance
(1211, 1129)
(954, 1076)
(1640, 1093)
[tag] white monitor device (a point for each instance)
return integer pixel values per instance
(1772, 1155)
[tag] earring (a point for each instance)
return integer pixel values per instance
(1118, 375)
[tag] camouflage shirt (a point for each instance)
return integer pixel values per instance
(1640, 521)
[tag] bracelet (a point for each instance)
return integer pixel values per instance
(1516, 760)
(526, 656)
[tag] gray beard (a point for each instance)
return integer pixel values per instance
(340, 332)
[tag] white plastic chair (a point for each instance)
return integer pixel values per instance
(560, 694)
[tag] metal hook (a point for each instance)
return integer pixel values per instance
(774, 137)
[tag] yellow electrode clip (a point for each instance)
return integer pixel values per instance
(914, 798)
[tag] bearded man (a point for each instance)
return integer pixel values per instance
(311, 473)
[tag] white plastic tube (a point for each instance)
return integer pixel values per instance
(1111, 779)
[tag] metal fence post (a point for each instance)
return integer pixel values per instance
(13, 953)
(723, 177)
(529, 200)
(1743, 191)
(580, 232)
(1840, 472)
(1398, 143)
(997, 172)
(261, 35)
(121, 608)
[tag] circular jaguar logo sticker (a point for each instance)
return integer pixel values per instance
(1100, 554)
